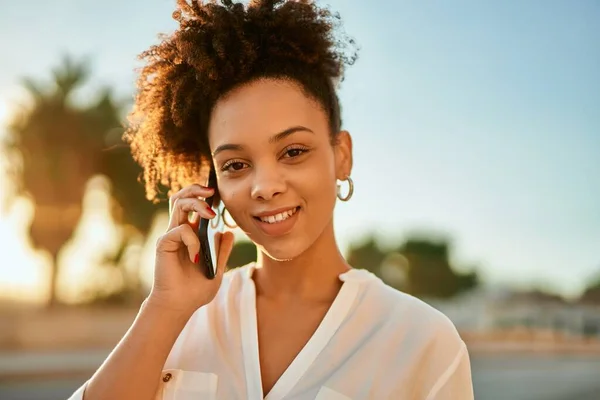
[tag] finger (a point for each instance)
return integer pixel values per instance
(190, 191)
(182, 208)
(225, 245)
(189, 238)
(194, 221)
(172, 240)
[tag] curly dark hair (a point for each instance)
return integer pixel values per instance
(217, 48)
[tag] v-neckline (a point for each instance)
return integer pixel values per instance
(332, 320)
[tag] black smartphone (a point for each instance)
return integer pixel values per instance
(207, 230)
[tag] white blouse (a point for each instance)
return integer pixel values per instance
(375, 342)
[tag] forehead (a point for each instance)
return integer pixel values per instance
(261, 109)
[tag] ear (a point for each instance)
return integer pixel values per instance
(343, 155)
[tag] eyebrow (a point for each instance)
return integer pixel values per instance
(273, 139)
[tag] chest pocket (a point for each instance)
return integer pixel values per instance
(177, 384)
(328, 394)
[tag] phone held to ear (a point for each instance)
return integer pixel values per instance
(206, 233)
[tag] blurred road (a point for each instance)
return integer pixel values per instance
(531, 377)
(525, 377)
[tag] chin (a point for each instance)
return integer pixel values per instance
(283, 251)
(289, 246)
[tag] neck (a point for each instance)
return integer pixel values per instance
(313, 275)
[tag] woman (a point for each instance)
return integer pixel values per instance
(251, 90)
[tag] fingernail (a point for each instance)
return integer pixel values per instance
(211, 211)
(196, 258)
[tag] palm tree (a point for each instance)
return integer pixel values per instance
(59, 146)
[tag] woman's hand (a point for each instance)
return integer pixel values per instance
(180, 284)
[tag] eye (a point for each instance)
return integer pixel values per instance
(233, 166)
(294, 151)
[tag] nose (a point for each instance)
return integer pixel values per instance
(267, 184)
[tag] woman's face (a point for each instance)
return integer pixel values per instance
(275, 164)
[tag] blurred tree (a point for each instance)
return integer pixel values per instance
(394, 270)
(367, 255)
(429, 271)
(419, 266)
(592, 293)
(243, 252)
(56, 146)
(131, 205)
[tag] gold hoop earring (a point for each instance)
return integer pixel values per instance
(214, 223)
(232, 226)
(350, 190)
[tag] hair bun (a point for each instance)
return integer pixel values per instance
(218, 46)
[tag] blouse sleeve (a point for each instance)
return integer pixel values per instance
(455, 383)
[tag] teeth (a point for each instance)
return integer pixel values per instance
(271, 219)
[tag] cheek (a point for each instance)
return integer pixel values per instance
(319, 186)
(322, 188)
(231, 200)
(236, 200)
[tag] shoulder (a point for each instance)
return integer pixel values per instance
(408, 314)
(427, 343)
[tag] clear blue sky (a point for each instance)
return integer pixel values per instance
(480, 120)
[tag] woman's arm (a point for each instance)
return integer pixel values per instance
(133, 369)
(180, 287)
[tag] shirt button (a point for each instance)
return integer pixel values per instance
(167, 377)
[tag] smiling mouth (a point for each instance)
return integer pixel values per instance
(282, 216)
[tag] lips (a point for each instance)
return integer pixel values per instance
(277, 222)
(276, 217)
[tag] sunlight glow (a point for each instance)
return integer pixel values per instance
(159, 226)
(95, 235)
(24, 273)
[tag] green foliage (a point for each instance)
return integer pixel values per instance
(131, 205)
(592, 292)
(243, 252)
(428, 272)
(367, 255)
